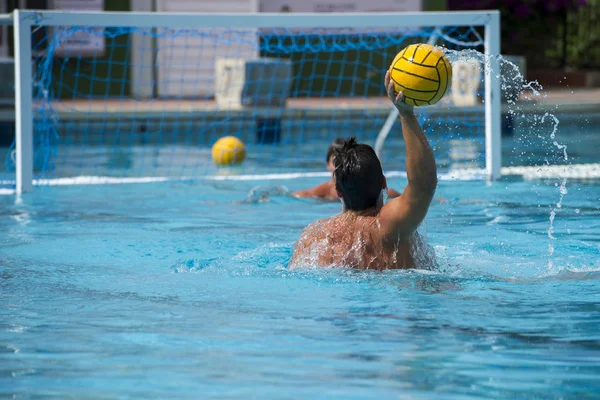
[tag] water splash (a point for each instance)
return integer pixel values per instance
(562, 188)
(513, 81)
(264, 194)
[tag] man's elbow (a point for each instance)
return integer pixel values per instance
(434, 183)
(431, 186)
(430, 182)
(427, 186)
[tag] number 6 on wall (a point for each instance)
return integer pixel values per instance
(466, 78)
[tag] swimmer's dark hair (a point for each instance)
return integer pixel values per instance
(338, 143)
(358, 175)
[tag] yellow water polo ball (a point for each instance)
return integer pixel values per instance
(228, 150)
(422, 73)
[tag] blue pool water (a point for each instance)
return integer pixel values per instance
(181, 290)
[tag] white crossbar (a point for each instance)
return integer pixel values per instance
(258, 20)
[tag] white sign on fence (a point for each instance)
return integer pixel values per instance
(88, 42)
(466, 79)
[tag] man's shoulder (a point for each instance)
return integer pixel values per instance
(319, 225)
(311, 234)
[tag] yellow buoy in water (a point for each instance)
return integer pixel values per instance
(228, 150)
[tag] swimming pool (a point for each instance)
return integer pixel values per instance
(180, 290)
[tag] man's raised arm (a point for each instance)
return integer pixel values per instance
(404, 214)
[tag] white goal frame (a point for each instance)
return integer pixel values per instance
(23, 20)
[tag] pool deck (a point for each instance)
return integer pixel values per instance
(571, 101)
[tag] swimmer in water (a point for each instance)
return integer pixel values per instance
(368, 234)
(327, 190)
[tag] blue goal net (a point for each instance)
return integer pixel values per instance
(150, 102)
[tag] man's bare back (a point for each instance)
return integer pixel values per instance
(368, 234)
(351, 240)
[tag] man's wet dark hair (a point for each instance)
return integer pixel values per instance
(338, 143)
(358, 175)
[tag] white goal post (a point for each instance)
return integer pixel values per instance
(23, 22)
